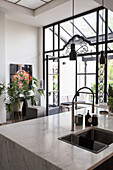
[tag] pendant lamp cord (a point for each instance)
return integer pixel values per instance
(73, 15)
(102, 23)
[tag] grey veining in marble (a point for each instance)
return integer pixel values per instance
(15, 157)
(34, 144)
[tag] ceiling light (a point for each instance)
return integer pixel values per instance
(73, 54)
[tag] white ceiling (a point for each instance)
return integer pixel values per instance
(51, 12)
(107, 3)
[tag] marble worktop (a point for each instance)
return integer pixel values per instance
(40, 136)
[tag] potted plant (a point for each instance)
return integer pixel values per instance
(110, 98)
(17, 87)
(18, 91)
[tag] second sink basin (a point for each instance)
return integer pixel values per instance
(93, 139)
(97, 134)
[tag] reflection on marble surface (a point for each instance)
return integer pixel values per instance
(34, 144)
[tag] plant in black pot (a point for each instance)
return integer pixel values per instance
(18, 91)
(17, 87)
(110, 98)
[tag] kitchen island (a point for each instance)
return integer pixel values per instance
(34, 144)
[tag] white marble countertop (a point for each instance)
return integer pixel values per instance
(40, 136)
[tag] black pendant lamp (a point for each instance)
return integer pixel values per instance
(73, 54)
(102, 53)
(102, 57)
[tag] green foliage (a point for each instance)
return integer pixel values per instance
(2, 88)
(110, 70)
(55, 85)
(17, 86)
(93, 87)
(110, 96)
(33, 100)
(35, 88)
(20, 86)
(9, 108)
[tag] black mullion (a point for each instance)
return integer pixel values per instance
(47, 100)
(53, 50)
(58, 65)
(43, 58)
(97, 51)
(106, 37)
(85, 69)
(53, 40)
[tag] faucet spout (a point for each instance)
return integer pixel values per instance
(77, 94)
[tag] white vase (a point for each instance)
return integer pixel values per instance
(18, 107)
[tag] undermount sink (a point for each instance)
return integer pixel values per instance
(93, 139)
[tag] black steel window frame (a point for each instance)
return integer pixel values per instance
(97, 53)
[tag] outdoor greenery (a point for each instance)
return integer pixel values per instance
(110, 73)
(55, 82)
(109, 79)
(110, 97)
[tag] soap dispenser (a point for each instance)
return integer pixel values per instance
(94, 120)
(88, 119)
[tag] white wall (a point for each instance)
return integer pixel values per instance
(2, 66)
(2, 47)
(21, 46)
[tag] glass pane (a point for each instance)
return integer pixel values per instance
(91, 66)
(53, 83)
(56, 37)
(102, 47)
(110, 20)
(101, 22)
(52, 67)
(84, 97)
(85, 23)
(48, 39)
(80, 65)
(91, 19)
(80, 81)
(110, 72)
(110, 46)
(67, 79)
(86, 64)
(53, 99)
(90, 80)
